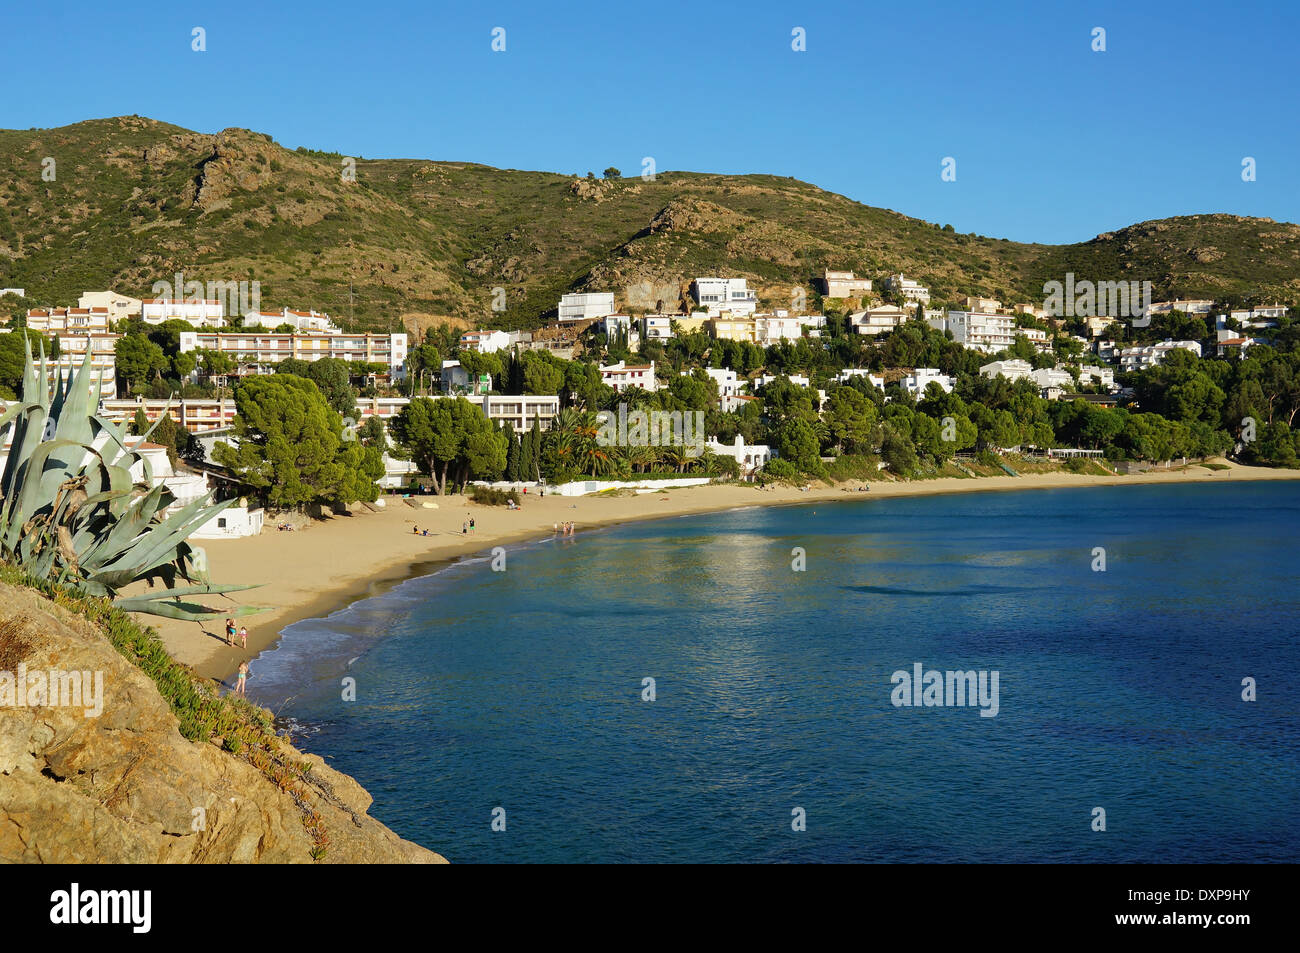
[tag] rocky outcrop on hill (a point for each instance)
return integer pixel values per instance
(122, 785)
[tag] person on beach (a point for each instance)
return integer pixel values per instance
(415, 530)
(555, 529)
(426, 532)
(230, 632)
(464, 528)
(241, 679)
(471, 525)
(243, 636)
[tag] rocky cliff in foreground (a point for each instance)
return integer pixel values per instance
(125, 786)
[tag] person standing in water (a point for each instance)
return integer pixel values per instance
(241, 680)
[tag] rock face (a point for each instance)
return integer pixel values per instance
(124, 786)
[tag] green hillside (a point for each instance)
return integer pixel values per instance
(134, 201)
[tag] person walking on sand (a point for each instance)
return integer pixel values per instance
(241, 679)
(471, 526)
(243, 635)
(464, 528)
(230, 632)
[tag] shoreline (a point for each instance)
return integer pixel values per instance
(380, 551)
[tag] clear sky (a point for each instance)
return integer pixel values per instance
(1053, 142)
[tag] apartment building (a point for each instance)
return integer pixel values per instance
(1013, 369)
(195, 415)
(302, 321)
(270, 348)
(980, 331)
(69, 320)
(200, 313)
(982, 304)
(585, 306)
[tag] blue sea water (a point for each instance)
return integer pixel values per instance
(1119, 690)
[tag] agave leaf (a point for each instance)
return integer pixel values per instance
(191, 611)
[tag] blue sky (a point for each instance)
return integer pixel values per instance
(1053, 142)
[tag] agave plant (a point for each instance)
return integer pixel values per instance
(71, 514)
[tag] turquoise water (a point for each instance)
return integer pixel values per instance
(1119, 689)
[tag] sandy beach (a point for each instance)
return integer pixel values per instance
(330, 563)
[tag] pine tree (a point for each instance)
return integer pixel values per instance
(141, 422)
(535, 458)
(512, 454)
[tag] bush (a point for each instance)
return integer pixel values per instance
(781, 470)
(490, 496)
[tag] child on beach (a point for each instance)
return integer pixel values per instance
(243, 635)
(464, 528)
(471, 524)
(241, 679)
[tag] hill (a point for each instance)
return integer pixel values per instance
(134, 201)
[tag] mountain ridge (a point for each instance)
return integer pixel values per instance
(134, 201)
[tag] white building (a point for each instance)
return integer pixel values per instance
(266, 349)
(657, 327)
(585, 306)
(1052, 377)
(921, 378)
(1263, 317)
(974, 303)
(1094, 374)
(232, 523)
(912, 291)
(879, 320)
(752, 457)
(728, 381)
(485, 342)
(1140, 358)
(849, 373)
(456, 380)
(771, 328)
(621, 376)
(843, 284)
(119, 306)
(1012, 369)
(1185, 305)
(69, 320)
(724, 294)
(616, 325)
(20, 292)
(301, 320)
(980, 331)
(201, 314)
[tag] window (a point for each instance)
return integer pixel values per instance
(221, 522)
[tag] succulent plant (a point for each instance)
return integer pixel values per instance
(71, 514)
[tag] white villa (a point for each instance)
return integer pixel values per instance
(1140, 358)
(752, 457)
(585, 306)
(1013, 369)
(621, 376)
(724, 294)
(921, 378)
(843, 284)
(911, 290)
(878, 320)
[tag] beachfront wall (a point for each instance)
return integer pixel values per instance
(232, 523)
(583, 487)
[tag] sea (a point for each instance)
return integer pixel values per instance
(771, 684)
